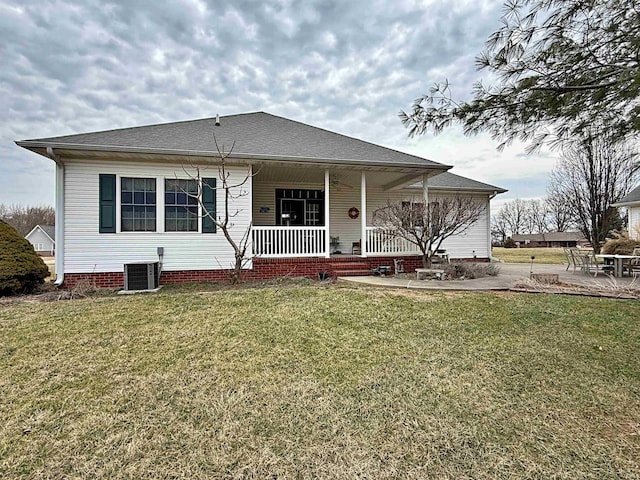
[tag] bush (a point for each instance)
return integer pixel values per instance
(470, 270)
(509, 243)
(21, 269)
(619, 246)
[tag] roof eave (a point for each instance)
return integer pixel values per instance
(495, 190)
(635, 203)
(34, 145)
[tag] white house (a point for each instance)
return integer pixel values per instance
(43, 239)
(632, 203)
(311, 194)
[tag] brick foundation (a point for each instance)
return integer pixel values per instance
(263, 269)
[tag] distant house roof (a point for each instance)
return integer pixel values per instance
(49, 231)
(630, 200)
(451, 181)
(549, 237)
(257, 135)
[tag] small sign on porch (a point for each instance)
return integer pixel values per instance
(264, 209)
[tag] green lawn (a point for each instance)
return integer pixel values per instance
(320, 382)
(523, 255)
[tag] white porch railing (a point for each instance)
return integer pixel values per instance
(380, 243)
(281, 241)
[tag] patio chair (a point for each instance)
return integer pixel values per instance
(569, 257)
(633, 267)
(590, 265)
(574, 258)
(356, 249)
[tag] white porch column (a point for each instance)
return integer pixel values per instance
(425, 194)
(327, 223)
(425, 189)
(363, 214)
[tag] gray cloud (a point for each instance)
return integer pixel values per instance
(70, 67)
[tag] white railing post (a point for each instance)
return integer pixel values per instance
(379, 243)
(363, 214)
(282, 241)
(327, 232)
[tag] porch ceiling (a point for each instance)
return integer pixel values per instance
(302, 175)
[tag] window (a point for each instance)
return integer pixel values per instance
(180, 206)
(312, 213)
(416, 214)
(138, 202)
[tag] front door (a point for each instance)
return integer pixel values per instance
(292, 212)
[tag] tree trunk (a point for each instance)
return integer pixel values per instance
(236, 275)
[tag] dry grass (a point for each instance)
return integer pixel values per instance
(553, 256)
(320, 382)
(604, 288)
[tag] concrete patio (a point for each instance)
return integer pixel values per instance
(510, 274)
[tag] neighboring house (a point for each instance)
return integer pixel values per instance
(632, 203)
(43, 239)
(549, 239)
(117, 201)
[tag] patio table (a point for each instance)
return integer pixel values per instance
(618, 262)
(621, 260)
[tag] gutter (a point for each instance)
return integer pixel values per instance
(59, 245)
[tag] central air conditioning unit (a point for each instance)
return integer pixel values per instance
(141, 276)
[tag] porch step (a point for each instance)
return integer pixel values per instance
(351, 273)
(349, 266)
(349, 269)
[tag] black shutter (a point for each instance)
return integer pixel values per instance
(209, 204)
(107, 213)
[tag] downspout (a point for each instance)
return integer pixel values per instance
(491, 257)
(59, 265)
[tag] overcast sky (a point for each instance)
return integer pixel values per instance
(348, 66)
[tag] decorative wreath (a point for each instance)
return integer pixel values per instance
(354, 212)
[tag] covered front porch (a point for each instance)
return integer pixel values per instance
(328, 212)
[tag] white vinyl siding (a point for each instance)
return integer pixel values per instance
(634, 222)
(87, 251)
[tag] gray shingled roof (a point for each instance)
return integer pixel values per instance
(451, 181)
(549, 237)
(256, 134)
(632, 198)
(49, 230)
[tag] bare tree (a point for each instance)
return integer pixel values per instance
(532, 216)
(513, 217)
(232, 191)
(591, 175)
(558, 214)
(24, 218)
(537, 217)
(427, 226)
(499, 229)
